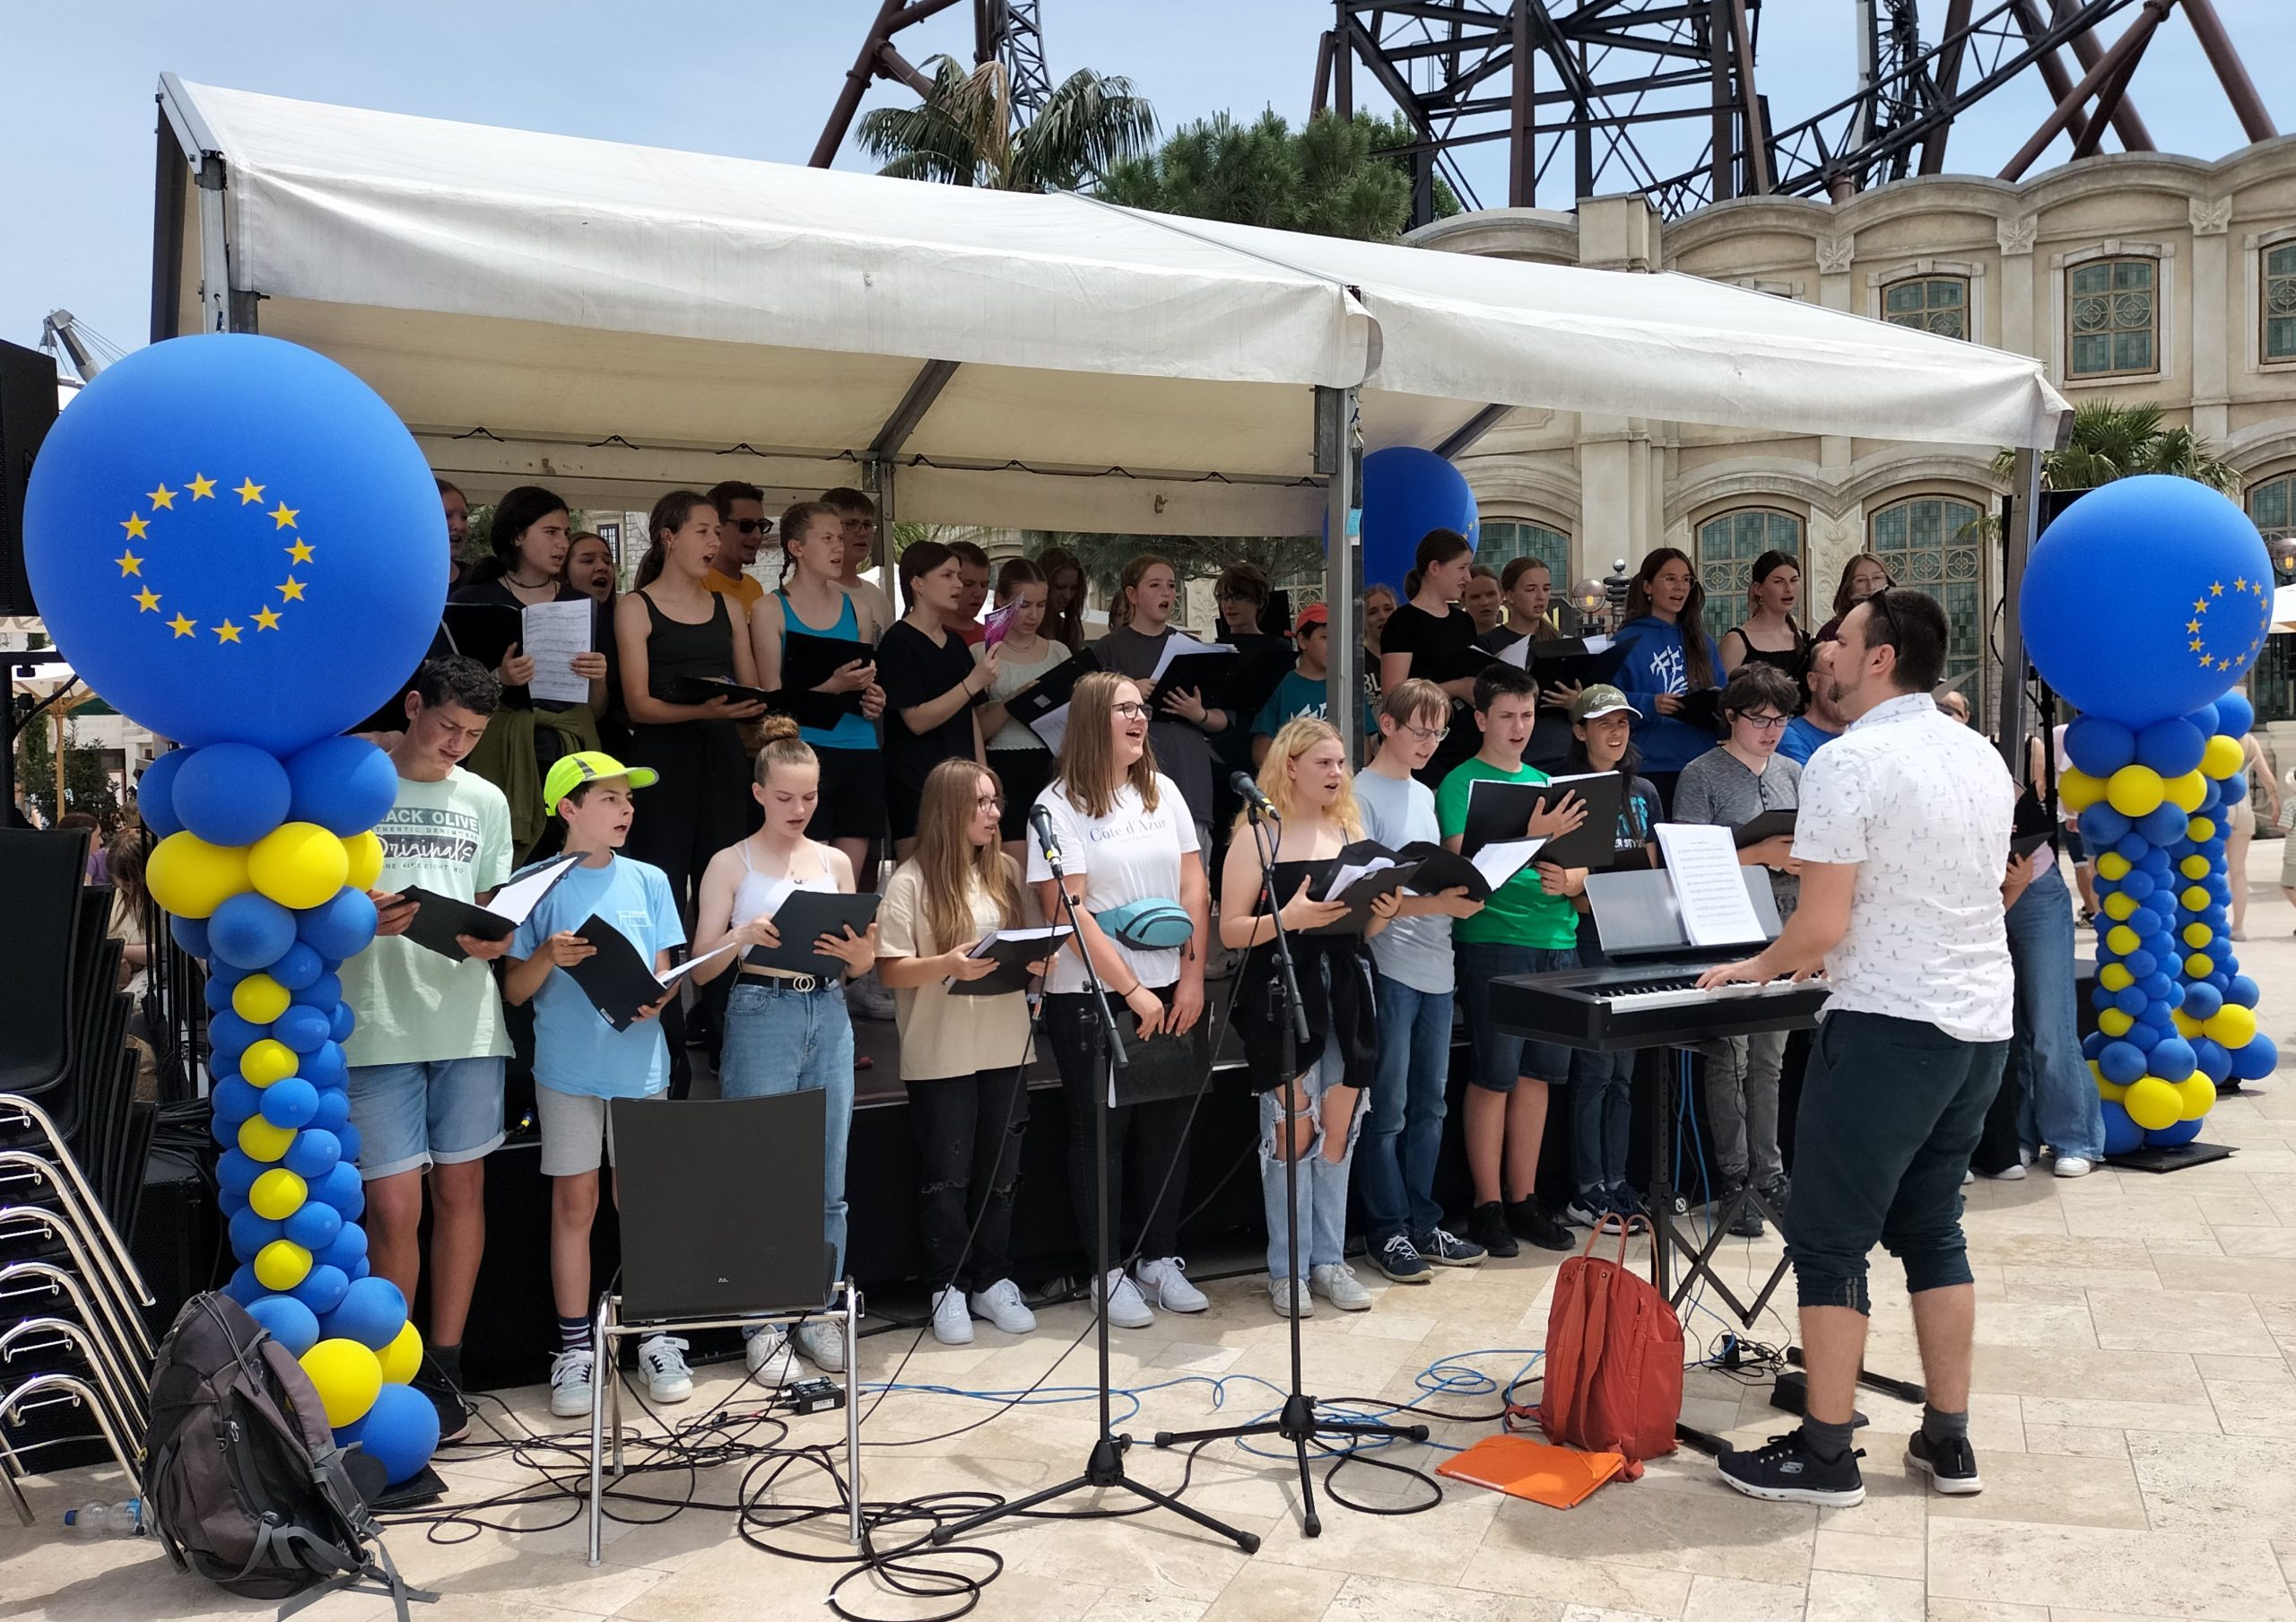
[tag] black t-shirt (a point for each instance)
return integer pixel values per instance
(912, 671)
(498, 590)
(1441, 651)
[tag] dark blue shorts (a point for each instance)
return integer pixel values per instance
(1500, 1059)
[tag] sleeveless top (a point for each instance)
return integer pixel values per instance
(675, 647)
(1012, 675)
(851, 731)
(762, 892)
(1794, 661)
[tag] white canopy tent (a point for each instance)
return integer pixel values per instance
(615, 320)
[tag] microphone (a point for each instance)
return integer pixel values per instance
(1247, 788)
(1040, 824)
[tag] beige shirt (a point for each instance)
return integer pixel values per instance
(943, 1036)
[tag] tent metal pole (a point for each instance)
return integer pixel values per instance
(1339, 458)
(2024, 524)
(877, 475)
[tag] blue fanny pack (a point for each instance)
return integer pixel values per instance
(1150, 925)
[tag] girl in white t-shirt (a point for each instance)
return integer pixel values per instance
(961, 1057)
(1124, 834)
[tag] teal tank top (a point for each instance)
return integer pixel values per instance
(851, 731)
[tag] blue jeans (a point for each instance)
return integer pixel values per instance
(2060, 1107)
(781, 1042)
(1321, 1184)
(1406, 1133)
(1602, 1107)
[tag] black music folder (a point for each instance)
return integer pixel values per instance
(808, 660)
(1359, 883)
(1438, 870)
(1205, 674)
(484, 631)
(1051, 689)
(1013, 950)
(1769, 825)
(804, 917)
(615, 977)
(1497, 811)
(439, 919)
(1568, 661)
(701, 689)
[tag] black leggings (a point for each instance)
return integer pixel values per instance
(701, 806)
(969, 1132)
(1156, 1133)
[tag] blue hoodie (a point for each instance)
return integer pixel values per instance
(1655, 664)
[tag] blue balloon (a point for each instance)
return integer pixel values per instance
(2164, 826)
(292, 1323)
(340, 927)
(2211, 1059)
(399, 1432)
(322, 1288)
(340, 1187)
(334, 1111)
(2206, 718)
(2160, 988)
(2234, 714)
(313, 1156)
(290, 1101)
(2126, 652)
(279, 468)
(1407, 492)
(322, 993)
(2156, 859)
(231, 794)
(2121, 1133)
(344, 784)
(349, 1141)
(2133, 847)
(313, 1225)
(372, 1312)
(342, 1022)
(2256, 1059)
(190, 933)
(2098, 744)
(299, 969)
(224, 1130)
(250, 931)
(2101, 824)
(2102, 1000)
(245, 1287)
(2171, 747)
(230, 1035)
(2157, 1015)
(2132, 1000)
(236, 1100)
(250, 1233)
(217, 992)
(362, 1269)
(154, 798)
(235, 1174)
(2202, 1000)
(324, 1066)
(2242, 991)
(302, 1028)
(2139, 962)
(2137, 885)
(2143, 1036)
(2174, 1059)
(349, 1248)
(2121, 1061)
(2175, 1135)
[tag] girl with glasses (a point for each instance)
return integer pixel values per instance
(1183, 732)
(1024, 656)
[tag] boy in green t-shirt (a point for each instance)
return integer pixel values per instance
(1521, 931)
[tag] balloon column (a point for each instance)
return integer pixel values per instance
(2144, 604)
(1407, 492)
(235, 543)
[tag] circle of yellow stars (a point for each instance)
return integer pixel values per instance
(2243, 590)
(199, 487)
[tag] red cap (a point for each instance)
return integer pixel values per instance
(1314, 614)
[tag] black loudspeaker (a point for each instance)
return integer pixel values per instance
(26, 409)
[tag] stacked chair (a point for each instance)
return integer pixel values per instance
(75, 1347)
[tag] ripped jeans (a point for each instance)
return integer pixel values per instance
(969, 1132)
(1322, 1209)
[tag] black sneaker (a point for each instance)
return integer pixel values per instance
(454, 1414)
(1950, 1466)
(1785, 1470)
(1779, 1193)
(1488, 1224)
(1398, 1257)
(1587, 1209)
(1627, 1205)
(1445, 1249)
(1746, 1221)
(1533, 1221)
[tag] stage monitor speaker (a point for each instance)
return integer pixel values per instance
(26, 409)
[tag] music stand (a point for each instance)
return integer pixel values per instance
(699, 1180)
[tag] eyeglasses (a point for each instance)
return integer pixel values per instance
(751, 525)
(1429, 734)
(1764, 723)
(990, 802)
(1131, 711)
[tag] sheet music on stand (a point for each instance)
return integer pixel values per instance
(1709, 885)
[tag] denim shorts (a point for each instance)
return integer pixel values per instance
(440, 1112)
(1501, 1058)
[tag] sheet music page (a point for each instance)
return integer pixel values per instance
(691, 963)
(1599, 644)
(1710, 886)
(1517, 654)
(553, 634)
(1502, 859)
(1047, 932)
(1181, 643)
(1347, 873)
(1051, 728)
(519, 897)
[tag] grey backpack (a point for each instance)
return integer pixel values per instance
(242, 1478)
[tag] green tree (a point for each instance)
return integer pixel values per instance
(962, 132)
(87, 781)
(1334, 177)
(2112, 440)
(36, 767)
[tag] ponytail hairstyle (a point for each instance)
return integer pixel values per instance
(1135, 571)
(671, 514)
(795, 520)
(1436, 547)
(1697, 659)
(782, 746)
(1017, 572)
(950, 865)
(516, 513)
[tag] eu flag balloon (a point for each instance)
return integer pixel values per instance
(223, 536)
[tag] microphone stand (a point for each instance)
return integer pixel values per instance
(1296, 1421)
(1104, 1467)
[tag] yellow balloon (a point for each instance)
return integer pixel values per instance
(2232, 1026)
(346, 1376)
(2193, 899)
(2200, 965)
(402, 1356)
(190, 877)
(2111, 1091)
(2152, 1104)
(2122, 940)
(363, 853)
(298, 864)
(2135, 790)
(282, 1265)
(2187, 1026)
(2194, 865)
(260, 1140)
(2223, 758)
(2198, 1095)
(2077, 790)
(2200, 830)
(259, 999)
(2198, 935)
(2116, 977)
(2118, 907)
(2112, 1021)
(2114, 866)
(278, 1194)
(2186, 792)
(265, 1062)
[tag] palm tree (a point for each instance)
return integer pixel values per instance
(2111, 441)
(961, 134)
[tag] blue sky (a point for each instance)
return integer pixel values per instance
(756, 79)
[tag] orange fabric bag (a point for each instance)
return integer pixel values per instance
(1613, 1381)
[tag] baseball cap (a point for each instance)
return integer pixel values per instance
(1314, 614)
(569, 771)
(1599, 700)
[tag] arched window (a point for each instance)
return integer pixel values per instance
(1938, 304)
(1500, 541)
(1727, 546)
(2280, 304)
(2272, 684)
(1933, 544)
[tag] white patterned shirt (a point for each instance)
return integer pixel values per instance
(1922, 806)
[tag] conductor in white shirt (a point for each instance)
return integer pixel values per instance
(1903, 841)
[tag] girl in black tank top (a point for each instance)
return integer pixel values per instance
(1774, 590)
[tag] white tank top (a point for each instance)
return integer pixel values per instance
(761, 893)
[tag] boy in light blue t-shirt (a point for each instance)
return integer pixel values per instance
(580, 1059)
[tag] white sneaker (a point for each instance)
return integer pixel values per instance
(1336, 1283)
(951, 1319)
(823, 1341)
(569, 1382)
(2027, 1156)
(1290, 1297)
(868, 998)
(1126, 1309)
(1001, 1306)
(660, 1359)
(769, 1356)
(2074, 1166)
(2008, 1174)
(1968, 1177)
(1168, 1279)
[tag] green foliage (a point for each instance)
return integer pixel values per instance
(2112, 440)
(87, 783)
(962, 132)
(1334, 177)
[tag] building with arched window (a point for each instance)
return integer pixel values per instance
(2136, 277)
